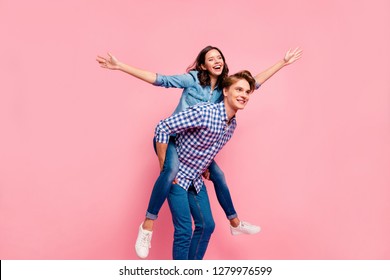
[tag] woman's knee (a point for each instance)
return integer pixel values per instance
(171, 169)
(216, 174)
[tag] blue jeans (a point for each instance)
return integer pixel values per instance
(188, 245)
(163, 184)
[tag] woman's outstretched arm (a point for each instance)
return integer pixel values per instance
(290, 57)
(111, 62)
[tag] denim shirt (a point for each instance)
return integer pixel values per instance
(193, 92)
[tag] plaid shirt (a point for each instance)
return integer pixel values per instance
(202, 132)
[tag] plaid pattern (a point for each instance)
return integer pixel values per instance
(202, 132)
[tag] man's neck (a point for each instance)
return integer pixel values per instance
(230, 112)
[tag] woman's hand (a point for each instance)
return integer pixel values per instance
(292, 55)
(110, 63)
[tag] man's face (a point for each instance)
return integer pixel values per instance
(237, 95)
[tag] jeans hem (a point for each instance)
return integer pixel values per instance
(232, 216)
(151, 216)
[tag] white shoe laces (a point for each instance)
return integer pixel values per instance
(145, 240)
(245, 224)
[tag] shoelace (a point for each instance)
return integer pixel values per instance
(244, 224)
(145, 240)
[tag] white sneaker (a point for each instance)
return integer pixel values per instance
(142, 245)
(244, 228)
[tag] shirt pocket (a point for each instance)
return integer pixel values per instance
(192, 97)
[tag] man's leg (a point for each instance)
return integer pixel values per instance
(204, 222)
(181, 217)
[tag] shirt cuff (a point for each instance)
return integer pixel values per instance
(159, 80)
(161, 133)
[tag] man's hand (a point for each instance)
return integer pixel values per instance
(206, 175)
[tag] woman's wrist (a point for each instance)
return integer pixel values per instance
(120, 66)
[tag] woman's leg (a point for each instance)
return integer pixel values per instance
(159, 194)
(222, 190)
(237, 226)
(164, 181)
(204, 222)
(181, 217)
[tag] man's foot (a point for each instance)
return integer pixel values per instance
(244, 228)
(142, 245)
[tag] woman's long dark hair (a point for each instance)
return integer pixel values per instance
(203, 75)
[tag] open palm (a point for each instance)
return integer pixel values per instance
(111, 62)
(292, 55)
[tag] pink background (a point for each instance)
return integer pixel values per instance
(309, 161)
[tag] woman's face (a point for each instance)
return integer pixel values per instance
(213, 63)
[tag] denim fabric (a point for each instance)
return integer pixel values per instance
(171, 167)
(202, 131)
(222, 190)
(188, 244)
(163, 184)
(193, 92)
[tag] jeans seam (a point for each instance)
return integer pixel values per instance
(203, 225)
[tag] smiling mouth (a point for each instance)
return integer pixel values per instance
(241, 101)
(218, 67)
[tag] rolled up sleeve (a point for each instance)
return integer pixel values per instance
(176, 81)
(162, 132)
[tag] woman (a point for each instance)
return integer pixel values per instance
(201, 83)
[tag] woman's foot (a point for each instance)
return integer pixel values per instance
(243, 228)
(143, 242)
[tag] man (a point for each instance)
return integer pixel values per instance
(202, 131)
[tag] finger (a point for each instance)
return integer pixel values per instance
(100, 59)
(111, 56)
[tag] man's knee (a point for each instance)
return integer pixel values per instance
(183, 234)
(207, 227)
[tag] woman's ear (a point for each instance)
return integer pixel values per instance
(203, 67)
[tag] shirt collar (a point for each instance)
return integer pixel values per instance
(224, 114)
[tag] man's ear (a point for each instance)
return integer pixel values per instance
(224, 91)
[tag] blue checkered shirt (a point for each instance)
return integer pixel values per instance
(202, 132)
